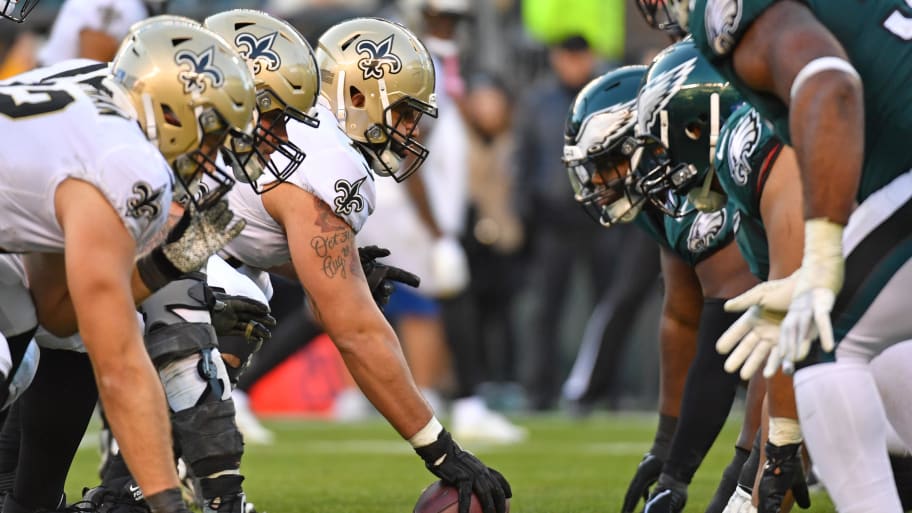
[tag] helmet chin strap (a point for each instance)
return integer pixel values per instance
(149, 114)
(704, 198)
(340, 99)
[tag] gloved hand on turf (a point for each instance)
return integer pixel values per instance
(380, 277)
(755, 334)
(740, 502)
(459, 468)
(666, 500)
(781, 473)
(241, 316)
(646, 475)
(189, 244)
(819, 280)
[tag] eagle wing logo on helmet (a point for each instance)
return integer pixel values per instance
(375, 56)
(259, 51)
(200, 70)
(704, 230)
(658, 92)
(722, 18)
(743, 142)
(608, 124)
(145, 202)
(349, 200)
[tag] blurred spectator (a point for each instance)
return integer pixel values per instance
(494, 233)
(559, 234)
(93, 29)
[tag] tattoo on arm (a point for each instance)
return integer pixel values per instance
(336, 243)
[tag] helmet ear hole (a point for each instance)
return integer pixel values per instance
(693, 130)
(357, 97)
(170, 116)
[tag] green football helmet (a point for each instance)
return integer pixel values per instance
(598, 142)
(681, 106)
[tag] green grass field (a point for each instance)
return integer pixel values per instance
(566, 466)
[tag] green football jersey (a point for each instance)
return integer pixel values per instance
(745, 153)
(693, 237)
(877, 36)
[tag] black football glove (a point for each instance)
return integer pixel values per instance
(380, 276)
(459, 468)
(646, 475)
(241, 316)
(782, 472)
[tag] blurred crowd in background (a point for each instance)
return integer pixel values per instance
(525, 304)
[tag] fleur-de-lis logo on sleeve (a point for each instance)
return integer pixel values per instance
(349, 200)
(258, 51)
(145, 202)
(375, 56)
(199, 70)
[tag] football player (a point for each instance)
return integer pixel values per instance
(377, 82)
(700, 262)
(828, 80)
(181, 333)
(86, 206)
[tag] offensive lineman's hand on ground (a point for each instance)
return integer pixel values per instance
(646, 475)
(781, 473)
(190, 243)
(755, 334)
(454, 466)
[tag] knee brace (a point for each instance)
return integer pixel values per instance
(208, 438)
(186, 300)
(193, 379)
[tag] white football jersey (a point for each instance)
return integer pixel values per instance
(333, 171)
(113, 17)
(63, 129)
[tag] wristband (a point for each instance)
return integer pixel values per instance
(155, 270)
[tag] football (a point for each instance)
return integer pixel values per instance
(441, 498)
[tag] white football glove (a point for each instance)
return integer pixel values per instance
(819, 280)
(755, 334)
(739, 502)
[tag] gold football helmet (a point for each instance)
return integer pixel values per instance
(287, 83)
(173, 18)
(190, 91)
(379, 80)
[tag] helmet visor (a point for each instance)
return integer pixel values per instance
(603, 184)
(401, 120)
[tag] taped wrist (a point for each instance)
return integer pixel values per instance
(661, 445)
(156, 270)
(433, 453)
(784, 431)
(822, 255)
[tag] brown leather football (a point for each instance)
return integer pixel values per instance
(441, 498)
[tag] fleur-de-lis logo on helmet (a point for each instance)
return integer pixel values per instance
(258, 51)
(350, 199)
(199, 68)
(375, 56)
